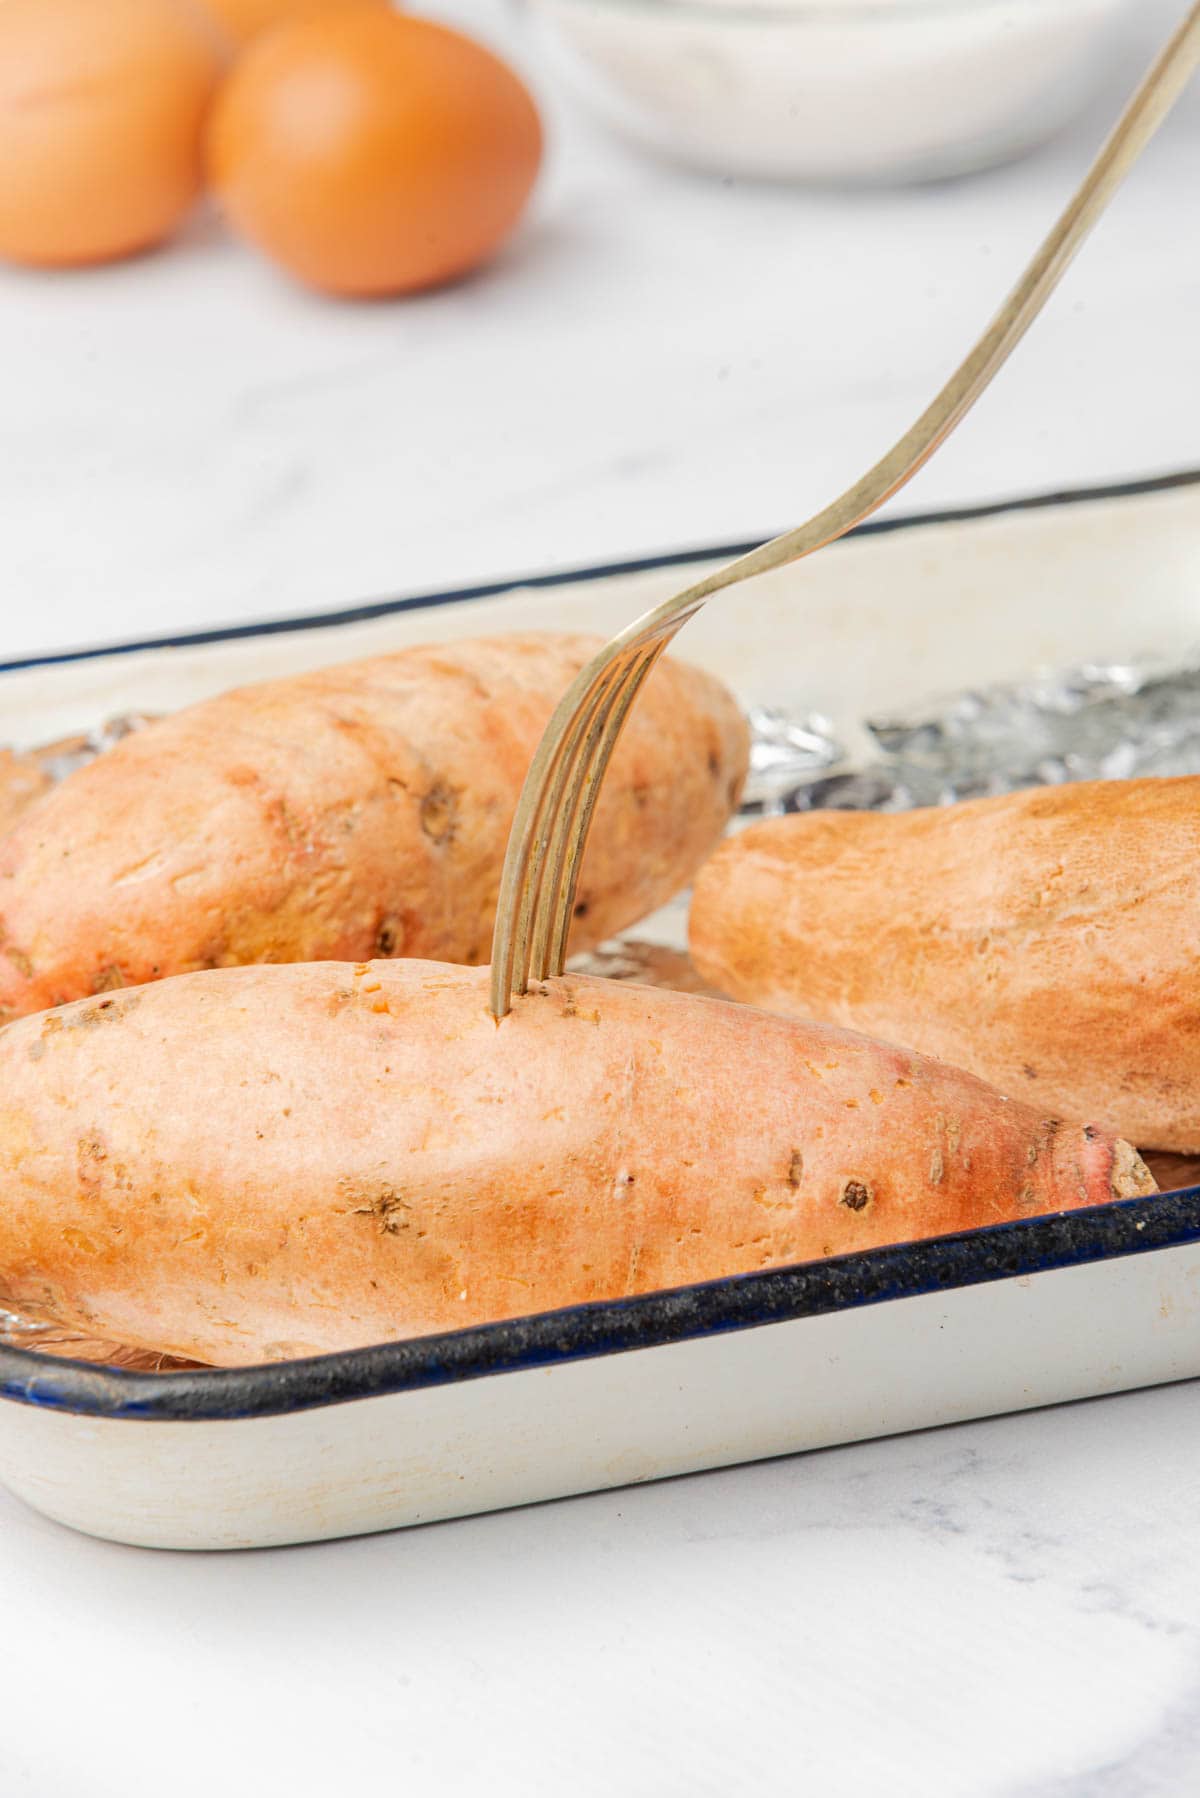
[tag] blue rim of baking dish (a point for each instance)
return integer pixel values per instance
(616, 1326)
(386, 608)
(651, 1320)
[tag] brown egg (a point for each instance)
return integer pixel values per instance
(102, 107)
(370, 152)
(243, 19)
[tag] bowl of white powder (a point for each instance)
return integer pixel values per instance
(834, 90)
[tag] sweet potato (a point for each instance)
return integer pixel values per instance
(360, 810)
(22, 781)
(1049, 941)
(260, 1162)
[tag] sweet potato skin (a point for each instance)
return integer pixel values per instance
(22, 782)
(360, 810)
(261, 1162)
(1049, 941)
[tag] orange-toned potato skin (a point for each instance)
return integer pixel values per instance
(371, 153)
(255, 1163)
(1048, 940)
(22, 782)
(361, 810)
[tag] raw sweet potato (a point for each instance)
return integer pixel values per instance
(261, 1162)
(360, 810)
(1049, 941)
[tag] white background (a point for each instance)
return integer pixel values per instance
(1009, 1608)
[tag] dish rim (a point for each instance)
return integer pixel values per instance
(650, 1320)
(363, 612)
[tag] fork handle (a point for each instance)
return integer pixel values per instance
(1145, 112)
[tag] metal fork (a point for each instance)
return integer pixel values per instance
(545, 846)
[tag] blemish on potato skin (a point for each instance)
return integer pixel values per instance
(389, 939)
(439, 812)
(20, 962)
(937, 1168)
(109, 979)
(85, 1016)
(856, 1195)
(387, 1207)
(795, 1171)
(90, 1155)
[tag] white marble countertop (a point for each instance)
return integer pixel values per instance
(1005, 1610)
(660, 361)
(1000, 1610)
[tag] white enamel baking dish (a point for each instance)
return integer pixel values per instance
(1022, 1314)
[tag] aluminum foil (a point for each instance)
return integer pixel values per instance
(1093, 722)
(48, 1338)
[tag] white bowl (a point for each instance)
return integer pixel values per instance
(835, 91)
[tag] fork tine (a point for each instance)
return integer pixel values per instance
(578, 746)
(573, 829)
(524, 860)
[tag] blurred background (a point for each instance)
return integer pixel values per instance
(759, 239)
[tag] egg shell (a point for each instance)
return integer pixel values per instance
(101, 120)
(369, 152)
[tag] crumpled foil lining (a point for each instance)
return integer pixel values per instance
(48, 1338)
(1097, 721)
